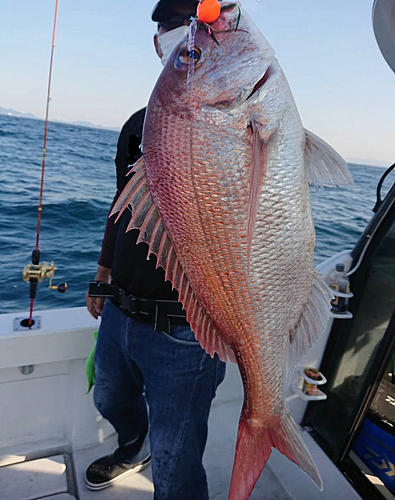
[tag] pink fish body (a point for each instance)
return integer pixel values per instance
(221, 197)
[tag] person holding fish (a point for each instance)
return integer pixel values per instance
(146, 353)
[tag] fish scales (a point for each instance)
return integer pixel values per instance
(210, 249)
(197, 214)
(227, 163)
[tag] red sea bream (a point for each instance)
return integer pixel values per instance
(221, 197)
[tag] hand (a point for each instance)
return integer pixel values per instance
(95, 304)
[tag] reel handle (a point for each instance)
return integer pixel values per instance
(61, 287)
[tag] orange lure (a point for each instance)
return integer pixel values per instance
(208, 11)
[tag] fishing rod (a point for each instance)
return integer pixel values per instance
(35, 272)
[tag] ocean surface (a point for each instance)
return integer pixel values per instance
(78, 189)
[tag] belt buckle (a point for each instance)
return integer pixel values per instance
(134, 304)
(124, 300)
(161, 320)
(128, 302)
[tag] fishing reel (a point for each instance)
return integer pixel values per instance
(36, 273)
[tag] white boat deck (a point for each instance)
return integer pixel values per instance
(49, 478)
(53, 478)
(50, 431)
(218, 457)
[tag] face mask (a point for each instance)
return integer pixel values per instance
(167, 41)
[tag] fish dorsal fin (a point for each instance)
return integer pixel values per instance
(312, 321)
(145, 217)
(324, 166)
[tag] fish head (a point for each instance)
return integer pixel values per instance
(230, 58)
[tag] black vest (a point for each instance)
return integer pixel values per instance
(130, 268)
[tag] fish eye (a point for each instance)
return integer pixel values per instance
(185, 56)
(195, 54)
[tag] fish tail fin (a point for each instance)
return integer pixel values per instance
(253, 450)
(287, 439)
(254, 446)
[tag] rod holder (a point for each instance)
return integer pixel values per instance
(306, 388)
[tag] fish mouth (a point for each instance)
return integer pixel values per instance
(261, 82)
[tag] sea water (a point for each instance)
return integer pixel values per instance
(78, 190)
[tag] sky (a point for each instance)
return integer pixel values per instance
(105, 65)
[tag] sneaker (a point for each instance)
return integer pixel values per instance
(107, 470)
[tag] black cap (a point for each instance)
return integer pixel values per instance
(165, 9)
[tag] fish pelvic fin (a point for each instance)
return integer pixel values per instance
(253, 449)
(324, 166)
(147, 220)
(311, 323)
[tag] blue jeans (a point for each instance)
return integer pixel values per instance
(136, 366)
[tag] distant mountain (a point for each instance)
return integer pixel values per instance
(370, 162)
(12, 112)
(89, 125)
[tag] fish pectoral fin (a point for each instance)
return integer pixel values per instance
(147, 220)
(324, 166)
(312, 321)
(258, 173)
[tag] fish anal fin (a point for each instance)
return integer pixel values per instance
(324, 166)
(312, 321)
(253, 449)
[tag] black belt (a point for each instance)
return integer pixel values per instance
(162, 313)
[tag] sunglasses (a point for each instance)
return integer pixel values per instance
(175, 22)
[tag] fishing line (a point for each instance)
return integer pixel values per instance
(191, 46)
(40, 204)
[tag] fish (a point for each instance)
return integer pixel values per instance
(221, 198)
